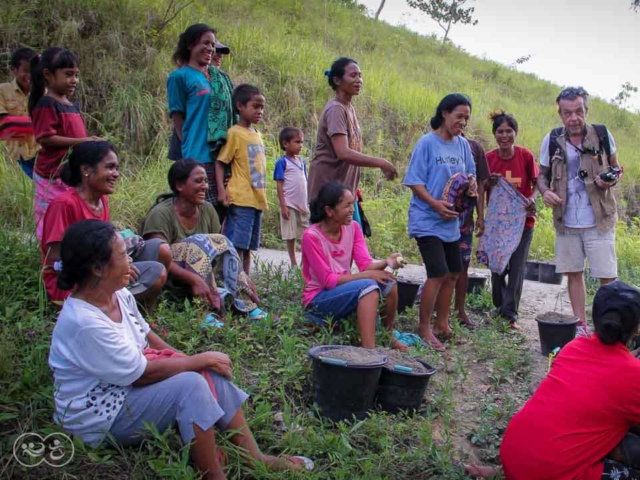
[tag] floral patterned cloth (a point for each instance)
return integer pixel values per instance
(462, 192)
(213, 258)
(503, 226)
(617, 471)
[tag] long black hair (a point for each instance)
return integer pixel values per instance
(86, 245)
(337, 70)
(52, 59)
(86, 153)
(330, 195)
(187, 40)
(178, 173)
(500, 117)
(448, 104)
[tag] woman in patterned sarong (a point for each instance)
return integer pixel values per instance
(205, 263)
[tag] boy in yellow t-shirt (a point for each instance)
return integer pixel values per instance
(13, 105)
(245, 195)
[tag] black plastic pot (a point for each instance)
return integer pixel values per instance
(556, 330)
(548, 273)
(476, 283)
(343, 391)
(400, 389)
(407, 293)
(532, 271)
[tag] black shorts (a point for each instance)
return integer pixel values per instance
(440, 258)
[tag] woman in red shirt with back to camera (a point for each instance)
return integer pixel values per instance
(583, 421)
(517, 165)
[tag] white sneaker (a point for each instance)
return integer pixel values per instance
(582, 330)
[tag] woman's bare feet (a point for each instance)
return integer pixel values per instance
(482, 471)
(445, 334)
(398, 345)
(431, 340)
(286, 462)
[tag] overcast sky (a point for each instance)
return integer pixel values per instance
(593, 43)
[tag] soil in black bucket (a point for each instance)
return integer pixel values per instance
(556, 330)
(347, 389)
(396, 357)
(407, 294)
(532, 271)
(403, 390)
(548, 273)
(476, 283)
(354, 355)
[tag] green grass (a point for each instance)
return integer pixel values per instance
(485, 378)
(283, 46)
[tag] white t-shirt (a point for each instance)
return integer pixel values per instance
(94, 361)
(578, 212)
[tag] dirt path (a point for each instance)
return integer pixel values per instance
(536, 298)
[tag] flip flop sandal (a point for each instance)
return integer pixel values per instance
(307, 462)
(257, 314)
(212, 321)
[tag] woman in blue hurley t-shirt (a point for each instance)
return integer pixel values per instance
(432, 221)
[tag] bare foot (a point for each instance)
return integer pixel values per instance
(464, 320)
(443, 334)
(398, 345)
(462, 316)
(285, 462)
(482, 471)
(431, 340)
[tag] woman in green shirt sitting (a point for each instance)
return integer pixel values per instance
(205, 263)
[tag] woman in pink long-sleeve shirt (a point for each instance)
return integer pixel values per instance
(329, 247)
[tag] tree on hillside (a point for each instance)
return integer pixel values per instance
(625, 94)
(635, 4)
(382, 2)
(446, 13)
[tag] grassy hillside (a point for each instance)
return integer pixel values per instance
(284, 46)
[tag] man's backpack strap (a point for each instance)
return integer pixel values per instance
(553, 146)
(603, 138)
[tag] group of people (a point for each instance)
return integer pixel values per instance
(113, 374)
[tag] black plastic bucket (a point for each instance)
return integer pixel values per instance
(403, 390)
(476, 283)
(532, 271)
(407, 292)
(343, 391)
(548, 273)
(556, 330)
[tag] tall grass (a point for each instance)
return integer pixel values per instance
(284, 46)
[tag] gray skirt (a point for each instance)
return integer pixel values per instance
(184, 399)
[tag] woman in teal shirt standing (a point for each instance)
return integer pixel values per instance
(200, 123)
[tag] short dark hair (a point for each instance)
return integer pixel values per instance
(571, 93)
(178, 173)
(187, 40)
(337, 70)
(448, 104)
(500, 117)
(243, 94)
(20, 55)
(86, 245)
(85, 153)
(287, 134)
(329, 195)
(52, 59)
